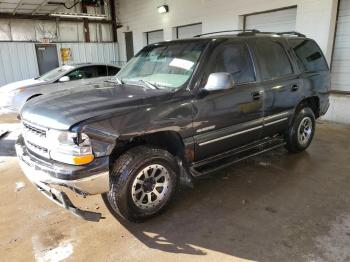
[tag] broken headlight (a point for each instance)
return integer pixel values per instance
(69, 147)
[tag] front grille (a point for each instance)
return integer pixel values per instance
(30, 128)
(35, 139)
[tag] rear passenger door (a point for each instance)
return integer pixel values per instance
(280, 82)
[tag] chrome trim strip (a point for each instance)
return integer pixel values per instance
(285, 113)
(275, 122)
(231, 135)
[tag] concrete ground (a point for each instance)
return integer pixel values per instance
(274, 207)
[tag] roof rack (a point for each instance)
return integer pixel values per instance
(228, 31)
(292, 33)
(254, 32)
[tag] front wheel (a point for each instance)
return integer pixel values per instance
(301, 132)
(142, 183)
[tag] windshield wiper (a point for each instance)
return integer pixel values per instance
(149, 84)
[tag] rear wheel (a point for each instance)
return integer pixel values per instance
(301, 132)
(142, 183)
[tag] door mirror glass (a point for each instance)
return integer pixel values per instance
(219, 81)
(64, 79)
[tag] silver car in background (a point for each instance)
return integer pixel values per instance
(13, 96)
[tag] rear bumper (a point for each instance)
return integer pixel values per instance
(47, 178)
(324, 104)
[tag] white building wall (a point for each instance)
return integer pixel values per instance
(315, 18)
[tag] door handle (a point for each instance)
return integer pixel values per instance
(257, 95)
(294, 87)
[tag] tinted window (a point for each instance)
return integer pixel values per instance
(112, 70)
(273, 59)
(82, 73)
(101, 70)
(233, 58)
(309, 54)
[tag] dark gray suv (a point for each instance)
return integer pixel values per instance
(176, 111)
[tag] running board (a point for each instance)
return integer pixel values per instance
(224, 160)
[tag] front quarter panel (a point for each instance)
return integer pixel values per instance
(170, 113)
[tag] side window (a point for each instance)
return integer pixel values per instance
(75, 75)
(235, 59)
(82, 73)
(273, 59)
(101, 70)
(309, 54)
(112, 71)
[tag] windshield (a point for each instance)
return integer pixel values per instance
(55, 73)
(165, 66)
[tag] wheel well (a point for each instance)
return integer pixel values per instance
(312, 102)
(33, 97)
(168, 140)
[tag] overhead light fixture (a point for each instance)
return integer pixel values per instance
(163, 9)
(79, 15)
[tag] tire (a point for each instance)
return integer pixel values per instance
(134, 177)
(301, 132)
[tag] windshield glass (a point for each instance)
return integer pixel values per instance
(165, 66)
(55, 73)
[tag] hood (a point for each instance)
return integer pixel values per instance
(24, 83)
(64, 109)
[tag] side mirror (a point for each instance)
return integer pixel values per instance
(64, 79)
(219, 81)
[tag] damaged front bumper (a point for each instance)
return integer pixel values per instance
(86, 180)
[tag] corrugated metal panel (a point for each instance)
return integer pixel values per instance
(18, 61)
(341, 55)
(274, 21)
(92, 52)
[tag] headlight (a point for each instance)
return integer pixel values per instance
(70, 148)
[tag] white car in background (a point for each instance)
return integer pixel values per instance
(14, 95)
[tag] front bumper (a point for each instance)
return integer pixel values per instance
(92, 179)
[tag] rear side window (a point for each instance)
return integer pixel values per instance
(101, 70)
(82, 73)
(112, 71)
(233, 58)
(273, 59)
(309, 54)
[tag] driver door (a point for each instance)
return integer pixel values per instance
(227, 119)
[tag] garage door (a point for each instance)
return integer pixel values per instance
(274, 21)
(341, 54)
(155, 36)
(188, 31)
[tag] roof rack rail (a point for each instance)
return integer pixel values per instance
(291, 33)
(229, 31)
(248, 32)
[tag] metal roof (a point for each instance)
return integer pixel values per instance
(32, 7)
